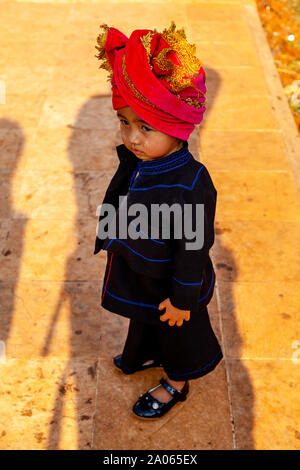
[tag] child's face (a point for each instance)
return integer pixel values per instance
(146, 142)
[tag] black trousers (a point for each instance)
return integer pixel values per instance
(186, 352)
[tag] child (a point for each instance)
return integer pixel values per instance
(159, 282)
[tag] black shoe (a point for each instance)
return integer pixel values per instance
(118, 363)
(149, 407)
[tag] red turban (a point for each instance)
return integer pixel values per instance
(157, 75)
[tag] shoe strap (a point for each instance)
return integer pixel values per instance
(169, 387)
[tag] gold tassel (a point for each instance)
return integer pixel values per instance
(101, 40)
(146, 41)
(181, 75)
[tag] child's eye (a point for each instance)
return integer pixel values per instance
(123, 122)
(146, 129)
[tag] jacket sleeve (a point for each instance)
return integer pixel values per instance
(189, 263)
(118, 185)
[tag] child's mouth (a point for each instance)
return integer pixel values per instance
(136, 151)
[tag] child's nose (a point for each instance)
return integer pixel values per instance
(135, 138)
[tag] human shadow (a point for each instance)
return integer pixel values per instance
(91, 151)
(12, 227)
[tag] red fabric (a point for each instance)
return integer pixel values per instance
(170, 115)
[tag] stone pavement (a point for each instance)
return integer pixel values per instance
(58, 387)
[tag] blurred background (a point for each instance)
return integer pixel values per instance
(281, 22)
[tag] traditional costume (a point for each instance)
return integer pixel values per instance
(159, 77)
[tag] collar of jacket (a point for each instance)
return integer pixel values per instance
(160, 165)
(164, 164)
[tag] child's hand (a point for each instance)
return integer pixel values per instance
(173, 314)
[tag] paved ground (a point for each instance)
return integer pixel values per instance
(58, 387)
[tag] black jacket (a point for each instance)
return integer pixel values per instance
(177, 178)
